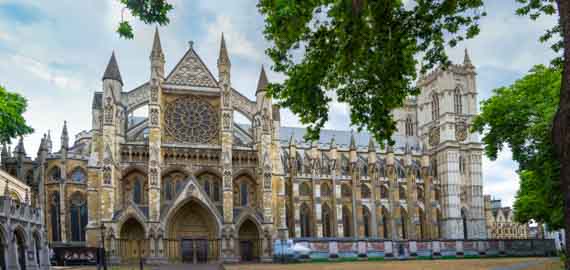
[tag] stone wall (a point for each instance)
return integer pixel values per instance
(369, 249)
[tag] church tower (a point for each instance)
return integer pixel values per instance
(447, 106)
(154, 137)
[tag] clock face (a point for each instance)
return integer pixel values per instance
(191, 120)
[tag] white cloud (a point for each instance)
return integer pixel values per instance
(500, 178)
(238, 44)
(42, 71)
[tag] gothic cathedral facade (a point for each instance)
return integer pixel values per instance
(188, 178)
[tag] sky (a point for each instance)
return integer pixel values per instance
(54, 53)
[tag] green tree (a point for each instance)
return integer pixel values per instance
(520, 116)
(148, 11)
(561, 126)
(12, 123)
(362, 52)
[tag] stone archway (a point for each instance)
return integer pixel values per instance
(193, 232)
(132, 242)
(21, 246)
(3, 245)
(249, 240)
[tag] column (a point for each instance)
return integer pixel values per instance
(451, 211)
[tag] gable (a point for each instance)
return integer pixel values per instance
(191, 71)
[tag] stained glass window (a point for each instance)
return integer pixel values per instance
(191, 120)
(78, 175)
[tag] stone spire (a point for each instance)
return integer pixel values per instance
(352, 141)
(467, 59)
(156, 45)
(223, 58)
(5, 153)
(292, 140)
(333, 142)
(371, 145)
(262, 82)
(64, 137)
(48, 142)
(19, 149)
(112, 71)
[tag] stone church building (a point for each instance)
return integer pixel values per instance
(188, 183)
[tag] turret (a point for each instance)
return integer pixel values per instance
(42, 150)
(467, 60)
(371, 151)
(5, 154)
(64, 137)
(352, 148)
(112, 77)
(19, 151)
(224, 63)
(49, 144)
(157, 57)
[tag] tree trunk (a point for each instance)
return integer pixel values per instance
(561, 125)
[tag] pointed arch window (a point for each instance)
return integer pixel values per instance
(137, 191)
(403, 218)
(78, 217)
(434, 107)
(305, 189)
(305, 221)
(55, 174)
(409, 127)
(346, 224)
(385, 223)
(326, 217)
(457, 101)
(384, 194)
(55, 218)
(345, 191)
(244, 193)
(366, 221)
(167, 189)
(326, 190)
(78, 175)
(365, 192)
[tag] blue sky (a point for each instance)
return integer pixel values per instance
(54, 53)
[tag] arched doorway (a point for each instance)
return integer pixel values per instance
(193, 232)
(21, 248)
(327, 221)
(249, 241)
(3, 244)
(37, 247)
(464, 220)
(132, 243)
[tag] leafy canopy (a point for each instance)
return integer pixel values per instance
(12, 123)
(363, 52)
(148, 11)
(520, 116)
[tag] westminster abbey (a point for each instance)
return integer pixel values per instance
(188, 183)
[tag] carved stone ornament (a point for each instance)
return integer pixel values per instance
(107, 175)
(227, 119)
(108, 110)
(154, 94)
(154, 117)
(153, 172)
(226, 96)
(191, 120)
(267, 180)
(461, 131)
(434, 136)
(227, 179)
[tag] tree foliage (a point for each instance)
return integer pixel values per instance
(520, 116)
(535, 9)
(363, 52)
(148, 11)
(12, 123)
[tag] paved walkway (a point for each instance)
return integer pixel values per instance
(522, 266)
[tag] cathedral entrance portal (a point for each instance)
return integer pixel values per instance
(249, 241)
(132, 243)
(193, 233)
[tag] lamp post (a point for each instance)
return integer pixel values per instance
(103, 259)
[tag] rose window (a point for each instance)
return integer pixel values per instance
(191, 120)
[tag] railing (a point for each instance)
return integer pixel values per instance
(19, 211)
